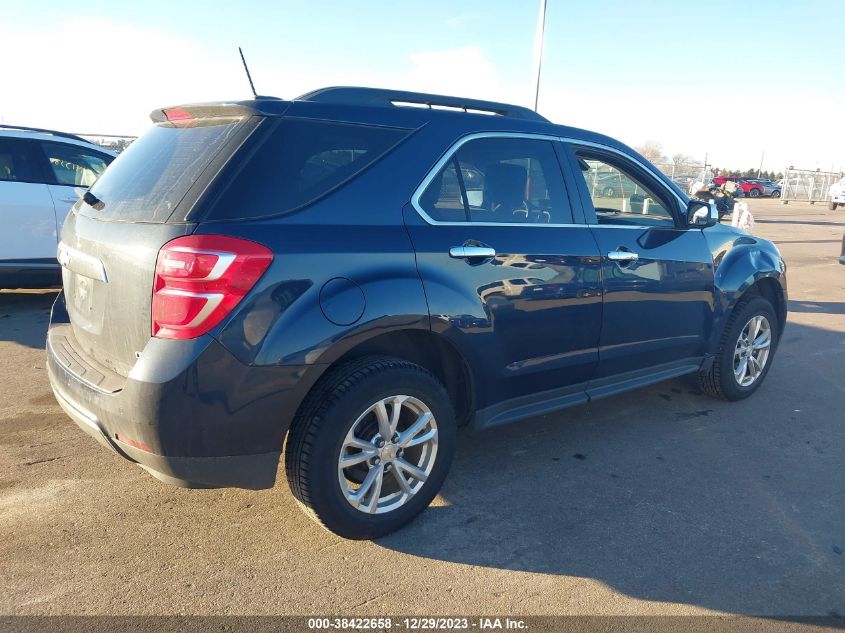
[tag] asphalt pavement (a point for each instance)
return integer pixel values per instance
(659, 501)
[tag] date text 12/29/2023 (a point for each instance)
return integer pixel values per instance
(417, 623)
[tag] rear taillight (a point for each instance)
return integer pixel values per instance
(199, 279)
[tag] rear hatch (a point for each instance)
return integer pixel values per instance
(111, 239)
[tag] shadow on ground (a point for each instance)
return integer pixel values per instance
(667, 495)
(818, 307)
(801, 222)
(18, 310)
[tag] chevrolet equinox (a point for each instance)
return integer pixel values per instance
(346, 278)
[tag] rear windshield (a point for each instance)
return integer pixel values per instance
(149, 179)
(300, 161)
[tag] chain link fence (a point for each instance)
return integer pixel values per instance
(113, 142)
(806, 185)
(685, 175)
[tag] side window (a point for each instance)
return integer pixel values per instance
(443, 199)
(322, 165)
(500, 180)
(71, 165)
(299, 162)
(17, 161)
(619, 197)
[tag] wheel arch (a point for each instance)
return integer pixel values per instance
(750, 269)
(423, 347)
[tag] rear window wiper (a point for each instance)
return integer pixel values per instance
(92, 200)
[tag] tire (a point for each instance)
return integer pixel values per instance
(776, 193)
(334, 411)
(608, 192)
(754, 193)
(832, 206)
(720, 381)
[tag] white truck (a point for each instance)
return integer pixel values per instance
(837, 195)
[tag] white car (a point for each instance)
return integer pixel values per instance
(837, 195)
(42, 174)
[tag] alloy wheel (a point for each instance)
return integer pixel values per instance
(388, 454)
(752, 350)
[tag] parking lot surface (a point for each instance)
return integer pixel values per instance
(660, 501)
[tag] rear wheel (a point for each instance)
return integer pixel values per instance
(754, 193)
(832, 206)
(371, 446)
(745, 352)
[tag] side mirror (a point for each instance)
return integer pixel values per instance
(701, 214)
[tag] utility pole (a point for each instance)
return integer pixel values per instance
(538, 51)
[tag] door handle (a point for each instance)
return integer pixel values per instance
(70, 200)
(622, 256)
(472, 252)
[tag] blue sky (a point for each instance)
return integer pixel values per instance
(731, 79)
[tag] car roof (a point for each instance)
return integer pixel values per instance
(400, 108)
(394, 107)
(50, 135)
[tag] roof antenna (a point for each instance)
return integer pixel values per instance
(248, 76)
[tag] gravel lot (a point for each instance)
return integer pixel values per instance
(660, 501)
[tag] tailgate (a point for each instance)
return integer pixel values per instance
(111, 240)
(107, 274)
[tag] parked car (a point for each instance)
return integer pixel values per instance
(749, 187)
(770, 187)
(298, 277)
(837, 194)
(42, 173)
(605, 185)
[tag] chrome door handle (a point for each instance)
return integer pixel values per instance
(470, 252)
(69, 200)
(622, 256)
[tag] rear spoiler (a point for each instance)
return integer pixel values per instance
(263, 106)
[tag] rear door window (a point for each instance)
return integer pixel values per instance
(19, 161)
(148, 181)
(500, 181)
(300, 161)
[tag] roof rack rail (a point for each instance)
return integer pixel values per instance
(383, 97)
(24, 128)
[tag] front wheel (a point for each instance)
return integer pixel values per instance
(371, 446)
(832, 206)
(745, 352)
(776, 194)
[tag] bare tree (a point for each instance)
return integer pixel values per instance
(652, 150)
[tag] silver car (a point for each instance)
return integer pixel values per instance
(770, 187)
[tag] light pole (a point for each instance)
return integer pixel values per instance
(538, 51)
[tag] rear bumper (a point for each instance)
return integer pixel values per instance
(232, 471)
(189, 412)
